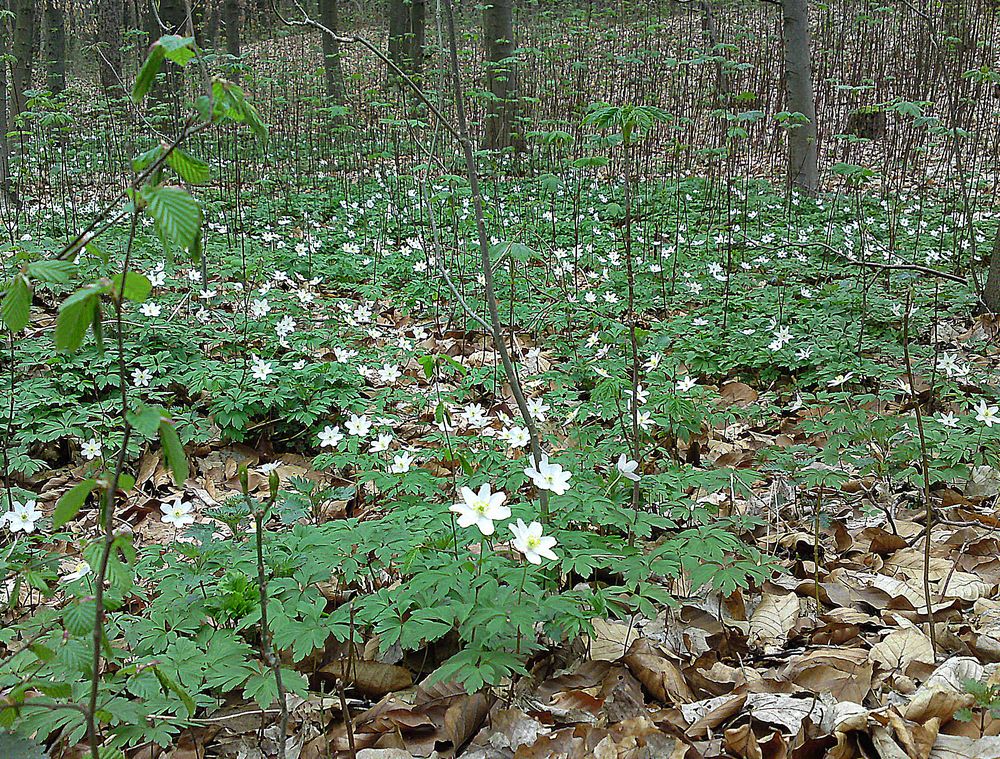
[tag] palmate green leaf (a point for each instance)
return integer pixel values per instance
(146, 420)
(188, 167)
(173, 451)
(69, 505)
(176, 213)
(15, 309)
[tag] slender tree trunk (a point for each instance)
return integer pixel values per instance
(399, 23)
(55, 23)
(803, 169)
(23, 49)
(417, 40)
(213, 26)
(109, 45)
(333, 70)
(502, 128)
(5, 32)
(991, 291)
(232, 18)
(711, 34)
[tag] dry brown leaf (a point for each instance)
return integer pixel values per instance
(960, 747)
(372, 678)
(660, 676)
(902, 647)
(464, 718)
(773, 619)
(610, 640)
(738, 394)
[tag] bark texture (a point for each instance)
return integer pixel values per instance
(502, 127)
(333, 72)
(803, 169)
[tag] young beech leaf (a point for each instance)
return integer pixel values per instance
(177, 214)
(173, 451)
(137, 287)
(76, 314)
(69, 505)
(147, 74)
(15, 309)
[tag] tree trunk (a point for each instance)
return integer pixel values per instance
(231, 17)
(23, 50)
(173, 15)
(399, 23)
(803, 170)
(332, 67)
(417, 39)
(502, 128)
(5, 33)
(55, 23)
(711, 34)
(109, 45)
(991, 291)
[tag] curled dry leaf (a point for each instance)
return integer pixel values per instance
(661, 677)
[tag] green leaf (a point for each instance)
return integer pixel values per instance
(176, 213)
(79, 617)
(144, 160)
(55, 690)
(17, 747)
(178, 49)
(15, 309)
(137, 286)
(147, 74)
(75, 314)
(173, 451)
(69, 505)
(51, 271)
(168, 684)
(146, 419)
(188, 167)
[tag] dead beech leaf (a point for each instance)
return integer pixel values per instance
(464, 718)
(773, 619)
(738, 394)
(966, 586)
(660, 676)
(960, 747)
(610, 640)
(372, 678)
(944, 693)
(910, 562)
(902, 647)
(741, 742)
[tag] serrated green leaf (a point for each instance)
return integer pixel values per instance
(15, 309)
(168, 684)
(69, 505)
(173, 452)
(178, 49)
(79, 617)
(51, 271)
(188, 167)
(75, 314)
(144, 160)
(176, 213)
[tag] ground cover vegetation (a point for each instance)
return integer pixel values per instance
(519, 379)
